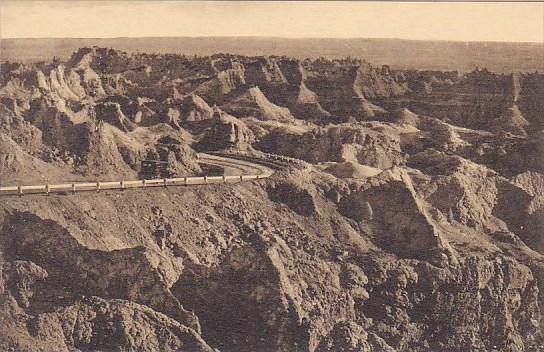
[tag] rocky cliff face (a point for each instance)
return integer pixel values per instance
(372, 145)
(260, 266)
(340, 91)
(418, 228)
(194, 108)
(253, 103)
(226, 132)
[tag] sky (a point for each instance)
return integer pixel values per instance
(462, 21)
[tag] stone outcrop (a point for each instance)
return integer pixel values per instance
(343, 90)
(351, 169)
(262, 320)
(398, 217)
(224, 82)
(370, 146)
(511, 121)
(285, 86)
(111, 113)
(107, 274)
(421, 231)
(476, 196)
(194, 108)
(253, 103)
(21, 131)
(226, 132)
(295, 195)
(351, 337)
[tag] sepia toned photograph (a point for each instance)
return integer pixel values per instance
(276, 176)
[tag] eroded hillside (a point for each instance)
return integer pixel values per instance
(417, 227)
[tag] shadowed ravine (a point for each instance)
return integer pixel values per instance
(386, 209)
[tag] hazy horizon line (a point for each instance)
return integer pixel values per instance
(284, 38)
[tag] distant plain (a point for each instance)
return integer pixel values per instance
(499, 57)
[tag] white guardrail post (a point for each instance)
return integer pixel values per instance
(144, 183)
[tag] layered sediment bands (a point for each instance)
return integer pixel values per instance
(285, 86)
(340, 95)
(420, 230)
(265, 268)
(474, 102)
(378, 83)
(486, 101)
(264, 70)
(369, 145)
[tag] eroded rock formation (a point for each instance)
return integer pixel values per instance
(418, 228)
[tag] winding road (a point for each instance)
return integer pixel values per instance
(232, 166)
(238, 167)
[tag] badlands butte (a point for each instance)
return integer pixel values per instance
(418, 225)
